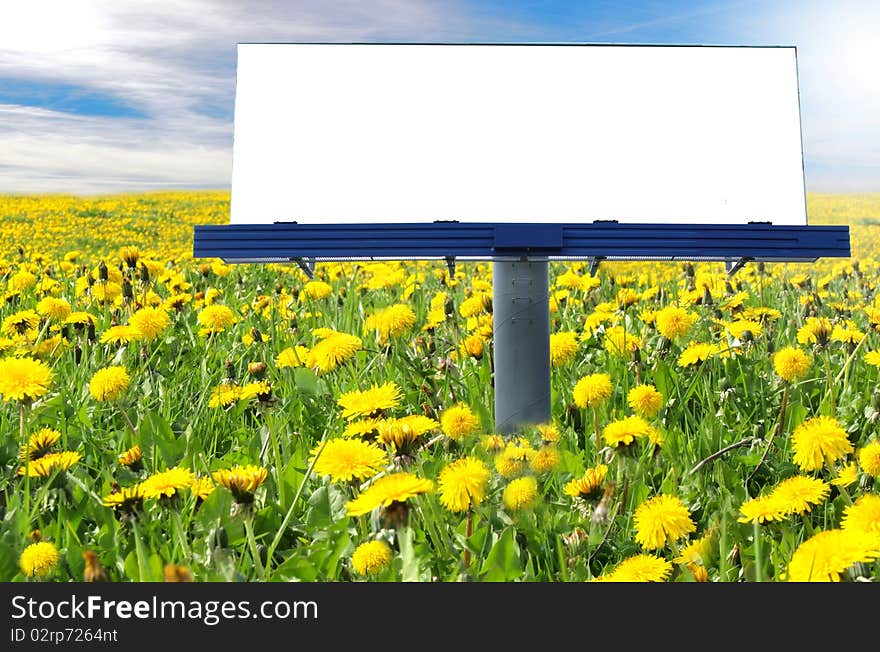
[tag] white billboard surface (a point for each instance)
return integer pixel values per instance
(355, 133)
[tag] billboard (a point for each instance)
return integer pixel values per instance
(410, 133)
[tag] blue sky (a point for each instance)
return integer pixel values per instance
(101, 96)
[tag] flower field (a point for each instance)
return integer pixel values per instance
(166, 418)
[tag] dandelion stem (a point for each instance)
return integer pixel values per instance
(128, 421)
(759, 558)
(776, 430)
(845, 369)
(278, 535)
(596, 427)
(717, 454)
(252, 542)
(22, 431)
(469, 530)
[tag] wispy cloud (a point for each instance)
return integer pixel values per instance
(172, 62)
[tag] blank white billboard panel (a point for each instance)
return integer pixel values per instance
(340, 133)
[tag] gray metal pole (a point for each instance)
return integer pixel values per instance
(521, 316)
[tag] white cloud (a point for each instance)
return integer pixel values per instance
(173, 62)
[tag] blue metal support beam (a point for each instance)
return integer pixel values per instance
(283, 242)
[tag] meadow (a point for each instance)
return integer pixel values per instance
(177, 419)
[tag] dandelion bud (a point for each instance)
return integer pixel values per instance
(102, 272)
(127, 291)
(175, 573)
(707, 297)
(257, 369)
(145, 274)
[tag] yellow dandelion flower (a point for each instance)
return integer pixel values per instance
(390, 322)
(639, 568)
(492, 443)
(53, 308)
(673, 322)
(660, 520)
(791, 363)
(818, 441)
(317, 290)
(20, 322)
(513, 460)
(463, 483)
(474, 346)
(592, 390)
(39, 444)
(563, 348)
(39, 559)
(589, 485)
(873, 358)
(816, 330)
(45, 465)
(22, 280)
(24, 379)
(762, 509)
(696, 552)
(371, 558)
(869, 458)
(521, 493)
(131, 457)
(863, 515)
(394, 488)
(848, 333)
(645, 400)
(126, 499)
(798, 494)
(695, 353)
(121, 334)
(292, 356)
(260, 390)
(215, 318)
(619, 341)
(362, 428)
(109, 383)
(149, 323)
(477, 304)
(545, 459)
(738, 328)
(348, 459)
(79, 319)
(332, 351)
(369, 402)
(847, 475)
(202, 487)
(549, 432)
(826, 556)
(241, 480)
(624, 431)
(166, 483)
(458, 421)
(224, 394)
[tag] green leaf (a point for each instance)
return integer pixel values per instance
(155, 431)
(8, 562)
(410, 570)
(326, 505)
(306, 380)
(503, 561)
